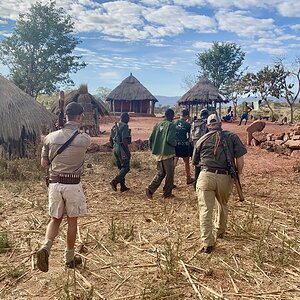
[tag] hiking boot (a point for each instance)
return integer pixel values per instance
(124, 188)
(113, 185)
(42, 263)
(76, 261)
(148, 194)
(190, 180)
(207, 249)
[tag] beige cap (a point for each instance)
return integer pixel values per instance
(213, 119)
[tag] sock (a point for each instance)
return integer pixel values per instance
(47, 245)
(69, 255)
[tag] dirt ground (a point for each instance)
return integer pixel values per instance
(134, 248)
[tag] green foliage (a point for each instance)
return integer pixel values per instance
(16, 272)
(39, 51)
(135, 163)
(221, 63)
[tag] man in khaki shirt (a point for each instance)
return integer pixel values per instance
(215, 181)
(65, 190)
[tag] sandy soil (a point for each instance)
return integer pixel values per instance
(134, 248)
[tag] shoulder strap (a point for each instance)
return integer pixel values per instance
(64, 146)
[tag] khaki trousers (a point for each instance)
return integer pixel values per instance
(211, 186)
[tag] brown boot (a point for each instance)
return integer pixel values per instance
(190, 180)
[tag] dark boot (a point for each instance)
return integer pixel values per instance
(124, 188)
(113, 184)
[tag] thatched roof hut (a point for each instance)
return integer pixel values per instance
(202, 94)
(93, 108)
(131, 96)
(22, 119)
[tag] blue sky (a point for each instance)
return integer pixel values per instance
(157, 40)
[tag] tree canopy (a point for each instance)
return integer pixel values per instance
(39, 51)
(221, 63)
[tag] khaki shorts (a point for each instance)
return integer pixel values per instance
(66, 199)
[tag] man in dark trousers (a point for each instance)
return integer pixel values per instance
(65, 191)
(183, 147)
(162, 142)
(215, 181)
(120, 138)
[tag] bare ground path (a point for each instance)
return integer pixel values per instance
(136, 249)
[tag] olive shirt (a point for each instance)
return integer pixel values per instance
(72, 158)
(209, 151)
(162, 140)
(119, 136)
(183, 129)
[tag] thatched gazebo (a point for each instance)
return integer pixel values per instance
(23, 120)
(202, 94)
(131, 96)
(93, 108)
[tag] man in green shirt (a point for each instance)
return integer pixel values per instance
(215, 181)
(162, 142)
(183, 146)
(120, 138)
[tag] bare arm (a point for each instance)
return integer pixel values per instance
(240, 164)
(44, 162)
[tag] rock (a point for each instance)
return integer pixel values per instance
(256, 126)
(296, 137)
(260, 137)
(286, 137)
(295, 153)
(293, 144)
(270, 137)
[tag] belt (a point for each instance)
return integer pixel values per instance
(65, 179)
(216, 171)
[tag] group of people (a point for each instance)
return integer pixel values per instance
(64, 150)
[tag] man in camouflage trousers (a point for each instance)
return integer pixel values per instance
(120, 138)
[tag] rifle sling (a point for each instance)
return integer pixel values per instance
(64, 146)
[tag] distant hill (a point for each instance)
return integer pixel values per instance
(166, 100)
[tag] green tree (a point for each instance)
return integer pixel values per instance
(102, 92)
(221, 63)
(289, 85)
(264, 83)
(39, 51)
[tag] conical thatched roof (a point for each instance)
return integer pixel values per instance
(202, 92)
(84, 96)
(130, 89)
(22, 119)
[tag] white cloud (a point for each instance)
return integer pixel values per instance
(202, 45)
(295, 27)
(243, 25)
(289, 8)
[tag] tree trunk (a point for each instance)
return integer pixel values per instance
(292, 112)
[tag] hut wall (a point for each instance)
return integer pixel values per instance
(133, 106)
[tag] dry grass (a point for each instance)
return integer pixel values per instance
(136, 249)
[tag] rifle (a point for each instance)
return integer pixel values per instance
(61, 115)
(233, 170)
(118, 140)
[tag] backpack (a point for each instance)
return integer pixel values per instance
(199, 128)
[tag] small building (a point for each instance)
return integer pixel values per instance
(23, 121)
(131, 96)
(202, 95)
(93, 109)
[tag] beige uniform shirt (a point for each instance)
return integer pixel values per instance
(72, 158)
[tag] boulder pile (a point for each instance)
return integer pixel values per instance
(284, 143)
